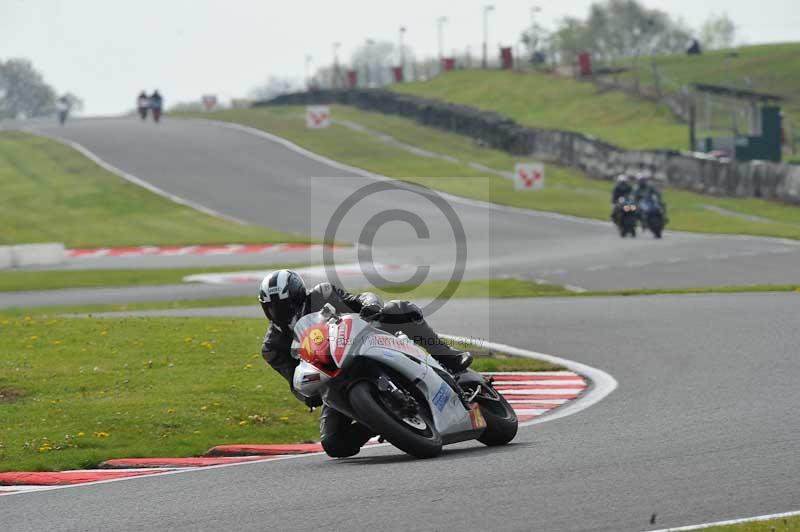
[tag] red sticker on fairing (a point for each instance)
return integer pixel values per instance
(340, 343)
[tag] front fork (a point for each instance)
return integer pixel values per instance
(398, 398)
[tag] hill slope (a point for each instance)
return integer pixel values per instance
(546, 101)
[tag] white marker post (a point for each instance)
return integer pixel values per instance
(318, 116)
(528, 176)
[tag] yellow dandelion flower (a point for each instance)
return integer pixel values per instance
(242, 423)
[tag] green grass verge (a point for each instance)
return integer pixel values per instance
(474, 288)
(783, 524)
(11, 281)
(489, 360)
(85, 390)
(77, 391)
(567, 191)
(51, 193)
(516, 288)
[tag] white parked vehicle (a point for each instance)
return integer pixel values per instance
(395, 387)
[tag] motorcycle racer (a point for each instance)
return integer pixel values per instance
(285, 299)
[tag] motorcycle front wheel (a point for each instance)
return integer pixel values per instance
(501, 420)
(413, 434)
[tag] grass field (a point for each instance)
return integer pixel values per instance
(545, 101)
(11, 281)
(77, 391)
(52, 193)
(567, 191)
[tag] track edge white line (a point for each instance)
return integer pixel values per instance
(742, 520)
(601, 383)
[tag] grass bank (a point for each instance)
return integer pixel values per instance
(51, 193)
(771, 68)
(545, 101)
(77, 391)
(567, 191)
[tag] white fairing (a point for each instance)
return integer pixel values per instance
(308, 381)
(396, 352)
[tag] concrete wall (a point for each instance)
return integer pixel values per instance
(32, 255)
(597, 158)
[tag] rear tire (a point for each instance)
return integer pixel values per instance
(370, 409)
(658, 227)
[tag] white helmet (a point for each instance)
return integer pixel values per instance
(622, 178)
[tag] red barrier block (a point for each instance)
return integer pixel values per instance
(63, 478)
(191, 461)
(264, 450)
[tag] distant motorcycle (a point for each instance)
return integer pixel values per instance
(394, 387)
(651, 214)
(626, 217)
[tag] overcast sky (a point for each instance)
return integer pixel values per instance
(106, 50)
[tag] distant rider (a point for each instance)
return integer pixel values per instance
(62, 109)
(142, 105)
(156, 103)
(285, 300)
(645, 191)
(622, 189)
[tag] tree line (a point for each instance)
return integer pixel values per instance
(612, 31)
(618, 29)
(24, 92)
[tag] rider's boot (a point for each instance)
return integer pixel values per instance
(341, 436)
(407, 317)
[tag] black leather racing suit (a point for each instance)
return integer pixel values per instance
(339, 435)
(621, 190)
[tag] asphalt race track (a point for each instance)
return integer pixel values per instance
(243, 175)
(704, 425)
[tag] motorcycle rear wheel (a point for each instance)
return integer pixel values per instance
(414, 435)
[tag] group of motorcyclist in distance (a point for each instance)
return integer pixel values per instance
(152, 104)
(641, 204)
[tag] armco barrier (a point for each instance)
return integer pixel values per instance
(599, 159)
(5, 257)
(37, 254)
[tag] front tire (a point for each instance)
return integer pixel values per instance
(501, 420)
(417, 437)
